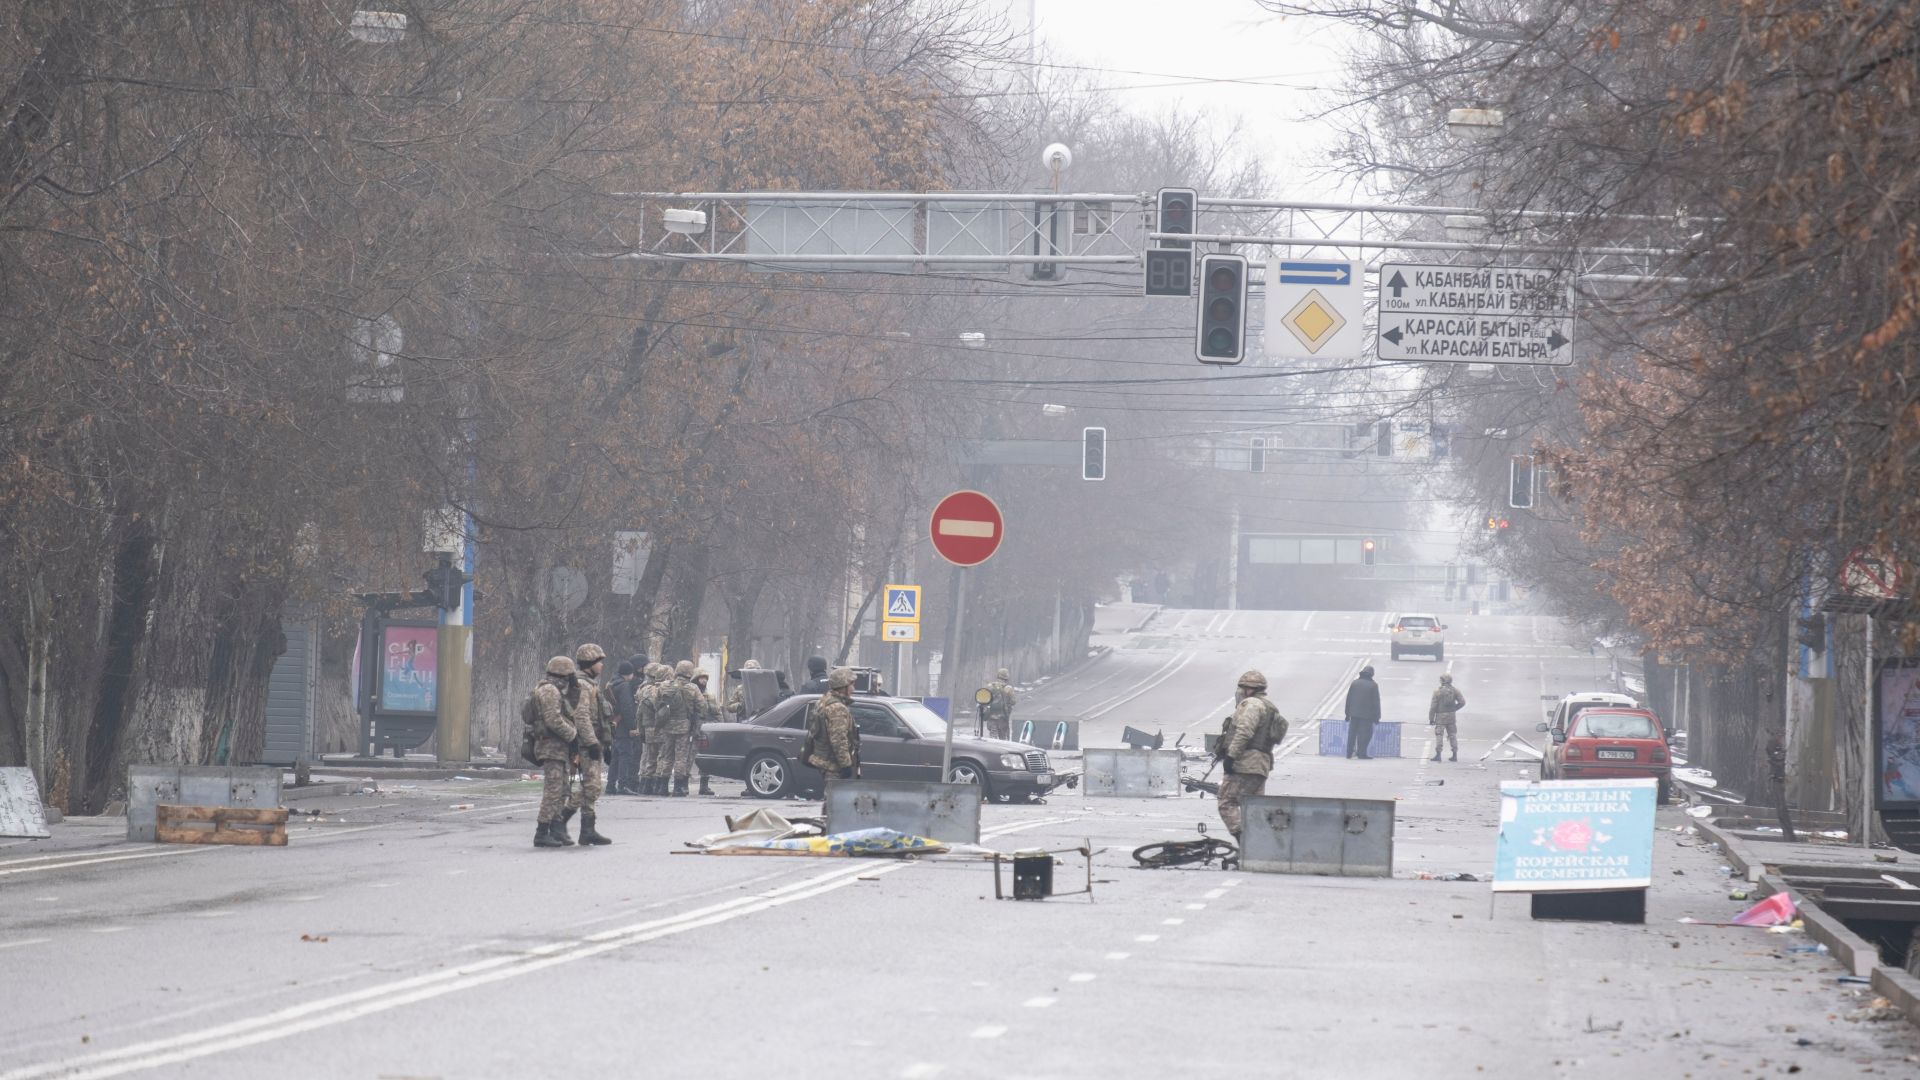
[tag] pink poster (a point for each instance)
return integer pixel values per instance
(409, 668)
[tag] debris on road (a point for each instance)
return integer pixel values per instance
(316, 938)
(877, 842)
(461, 806)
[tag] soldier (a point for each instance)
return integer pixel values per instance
(546, 718)
(593, 724)
(709, 714)
(1447, 701)
(996, 714)
(1246, 747)
(647, 712)
(676, 712)
(833, 741)
(737, 700)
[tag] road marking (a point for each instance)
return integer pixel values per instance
(1172, 922)
(382, 884)
(1082, 977)
(305, 899)
(1039, 1002)
(989, 1031)
(216, 913)
(107, 929)
(323, 1012)
(107, 859)
(1307, 623)
(1230, 883)
(920, 1070)
(1118, 955)
(24, 942)
(1146, 938)
(1166, 671)
(1196, 907)
(1214, 894)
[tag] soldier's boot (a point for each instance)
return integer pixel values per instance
(1455, 756)
(679, 785)
(705, 788)
(560, 827)
(652, 786)
(590, 835)
(543, 836)
(1436, 753)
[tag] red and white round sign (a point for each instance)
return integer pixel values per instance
(966, 528)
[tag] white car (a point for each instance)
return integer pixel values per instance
(1418, 634)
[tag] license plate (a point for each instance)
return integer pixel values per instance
(1044, 778)
(1614, 755)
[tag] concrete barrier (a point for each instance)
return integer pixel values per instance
(255, 787)
(1295, 834)
(21, 812)
(1115, 772)
(948, 812)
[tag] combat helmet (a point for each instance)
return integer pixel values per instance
(561, 665)
(1003, 676)
(683, 670)
(1253, 680)
(840, 678)
(587, 654)
(1446, 680)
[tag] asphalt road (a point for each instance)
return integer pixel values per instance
(405, 935)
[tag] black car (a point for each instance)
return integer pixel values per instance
(900, 739)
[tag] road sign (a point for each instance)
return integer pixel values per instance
(903, 603)
(1475, 314)
(1574, 835)
(966, 528)
(1871, 574)
(1168, 272)
(907, 632)
(1315, 308)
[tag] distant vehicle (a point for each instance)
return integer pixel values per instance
(1418, 634)
(1609, 742)
(1562, 712)
(900, 739)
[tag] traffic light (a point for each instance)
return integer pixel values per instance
(446, 584)
(1257, 455)
(1221, 336)
(1495, 522)
(1520, 482)
(1366, 552)
(1176, 206)
(1093, 456)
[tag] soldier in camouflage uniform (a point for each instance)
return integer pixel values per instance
(737, 699)
(678, 711)
(833, 740)
(593, 718)
(647, 707)
(709, 714)
(545, 715)
(1441, 711)
(997, 713)
(1246, 747)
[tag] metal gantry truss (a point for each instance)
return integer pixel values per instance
(976, 232)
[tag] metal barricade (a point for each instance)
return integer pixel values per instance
(254, 787)
(949, 812)
(1295, 834)
(1384, 743)
(1111, 771)
(1049, 734)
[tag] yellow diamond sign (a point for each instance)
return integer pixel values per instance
(1313, 321)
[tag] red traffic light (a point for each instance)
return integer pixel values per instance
(1368, 544)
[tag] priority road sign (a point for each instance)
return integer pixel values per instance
(905, 632)
(1315, 308)
(1475, 314)
(966, 528)
(903, 603)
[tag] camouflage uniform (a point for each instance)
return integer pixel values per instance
(593, 717)
(647, 706)
(998, 711)
(1441, 711)
(1247, 739)
(833, 740)
(547, 716)
(678, 712)
(709, 714)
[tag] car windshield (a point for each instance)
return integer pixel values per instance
(1616, 725)
(1415, 622)
(924, 721)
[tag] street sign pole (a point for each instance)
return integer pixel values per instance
(950, 668)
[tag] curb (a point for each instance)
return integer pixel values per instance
(315, 791)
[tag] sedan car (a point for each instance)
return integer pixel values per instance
(1418, 634)
(1608, 742)
(900, 739)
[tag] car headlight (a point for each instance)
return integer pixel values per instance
(1012, 761)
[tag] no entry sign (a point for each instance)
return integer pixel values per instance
(966, 528)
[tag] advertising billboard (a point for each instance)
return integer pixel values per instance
(1896, 734)
(1575, 835)
(409, 668)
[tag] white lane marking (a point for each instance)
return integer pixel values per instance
(1146, 938)
(1082, 977)
(491, 808)
(921, 1070)
(216, 913)
(107, 929)
(1172, 922)
(24, 942)
(989, 1031)
(47, 899)
(455, 873)
(1225, 707)
(1038, 1002)
(1307, 623)
(305, 899)
(1215, 894)
(1196, 907)
(1118, 955)
(1230, 883)
(1165, 672)
(382, 884)
(107, 859)
(323, 1012)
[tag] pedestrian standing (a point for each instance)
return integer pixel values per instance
(1447, 701)
(620, 693)
(647, 716)
(996, 713)
(627, 703)
(547, 720)
(676, 713)
(593, 733)
(1363, 711)
(709, 714)
(816, 676)
(833, 741)
(1245, 749)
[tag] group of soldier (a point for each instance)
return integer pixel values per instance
(639, 730)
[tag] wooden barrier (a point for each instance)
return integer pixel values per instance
(220, 825)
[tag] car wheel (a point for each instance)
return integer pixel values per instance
(1663, 795)
(769, 776)
(1439, 654)
(969, 772)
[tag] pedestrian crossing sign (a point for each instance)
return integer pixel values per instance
(903, 603)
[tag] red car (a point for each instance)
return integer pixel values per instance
(1609, 743)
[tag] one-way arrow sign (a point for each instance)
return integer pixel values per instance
(1397, 284)
(1315, 273)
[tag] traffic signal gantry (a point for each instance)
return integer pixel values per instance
(1221, 334)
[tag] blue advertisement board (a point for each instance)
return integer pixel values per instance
(1575, 835)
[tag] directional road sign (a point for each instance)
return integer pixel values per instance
(1315, 308)
(966, 528)
(1475, 314)
(905, 632)
(903, 603)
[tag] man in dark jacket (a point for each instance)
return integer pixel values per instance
(1363, 711)
(626, 748)
(816, 676)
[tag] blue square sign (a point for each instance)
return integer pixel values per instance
(903, 604)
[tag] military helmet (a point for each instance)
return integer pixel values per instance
(840, 678)
(751, 665)
(587, 654)
(658, 671)
(1003, 676)
(684, 669)
(560, 665)
(1253, 680)
(1446, 680)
